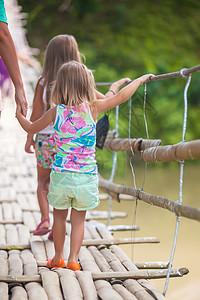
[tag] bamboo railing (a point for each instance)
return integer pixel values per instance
(182, 151)
(178, 209)
(136, 145)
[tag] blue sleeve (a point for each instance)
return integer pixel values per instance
(3, 17)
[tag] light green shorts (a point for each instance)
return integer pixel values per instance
(77, 190)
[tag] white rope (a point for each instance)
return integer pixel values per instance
(133, 233)
(113, 166)
(180, 185)
(146, 128)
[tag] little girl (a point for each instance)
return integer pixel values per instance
(74, 176)
(60, 49)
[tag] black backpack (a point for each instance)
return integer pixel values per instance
(102, 128)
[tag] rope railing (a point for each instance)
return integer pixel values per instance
(184, 72)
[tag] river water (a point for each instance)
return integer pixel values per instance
(158, 222)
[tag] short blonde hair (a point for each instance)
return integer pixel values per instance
(74, 85)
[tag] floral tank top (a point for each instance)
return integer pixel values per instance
(75, 138)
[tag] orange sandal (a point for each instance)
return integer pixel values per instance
(73, 265)
(51, 263)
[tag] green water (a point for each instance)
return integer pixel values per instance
(155, 221)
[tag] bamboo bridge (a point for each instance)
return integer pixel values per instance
(107, 272)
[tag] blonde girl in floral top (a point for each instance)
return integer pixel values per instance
(74, 181)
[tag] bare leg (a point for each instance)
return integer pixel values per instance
(42, 191)
(59, 231)
(77, 219)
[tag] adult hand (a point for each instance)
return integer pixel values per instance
(21, 99)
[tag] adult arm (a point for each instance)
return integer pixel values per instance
(35, 115)
(9, 56)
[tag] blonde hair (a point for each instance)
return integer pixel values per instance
(74, 85)
(60, 49)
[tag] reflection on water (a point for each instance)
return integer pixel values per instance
(155, 221)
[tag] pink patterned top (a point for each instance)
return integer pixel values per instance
(75, 138)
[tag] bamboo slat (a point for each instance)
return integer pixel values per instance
(15, 263)
(15, 246)
(23, 233)
(7, 194)
(5, 180)
(92, 229)
(11, 234)
(87, 285)
(114, 228)
(70, 285)
(144, 274)
(49, 246)
(20, 279)
(7, 211)
(123, 292)
(38, 248)
(29, 263)
(112, 260)
(100, 259)
(17, 211)
(66, 248)
(119, 241)
(23, 202)
(152, 265)
(51, 284)
(29, 220)
(1, 213)
(137, 290)
(2, 234)
(136, 145)
(35, 291)
(87, 234)
(18, 293)
(150, 288)
(4, 291)
(182, 151)
(101, 215)
(87, 260)
(105, 290)
(3, 263)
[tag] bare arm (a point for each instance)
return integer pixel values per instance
(39, 124)
(123, 95)
(9, 56)
(115, 86)
(35, 115)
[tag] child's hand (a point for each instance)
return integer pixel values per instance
(30, 143)
(123, 81)
(145, 78)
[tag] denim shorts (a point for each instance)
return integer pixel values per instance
(70, 189)
(45, 149)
